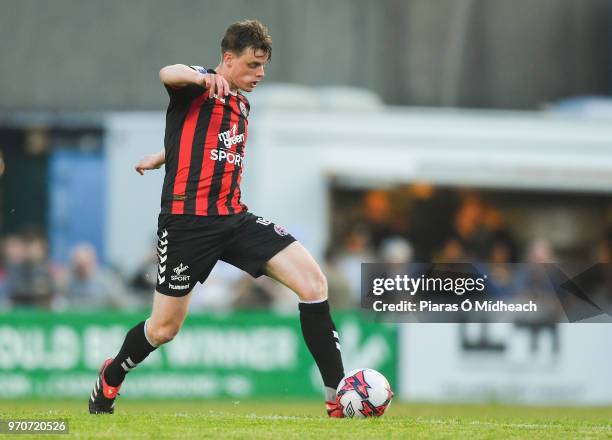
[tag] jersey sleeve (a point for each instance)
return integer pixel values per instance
(188, 92)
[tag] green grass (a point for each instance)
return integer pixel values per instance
(298, 420)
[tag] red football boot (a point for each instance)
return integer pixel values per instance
(102, 399)
(334, 409)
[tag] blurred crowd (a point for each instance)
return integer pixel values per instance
(28, 277)
(413, 224)
(421, 224)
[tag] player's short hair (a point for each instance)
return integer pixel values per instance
(247, 33)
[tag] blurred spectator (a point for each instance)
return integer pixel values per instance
(498, 235)
(396, 254)
(377, 212)
(263, 293)
(603, 291)
(29, 280)
(89, 286)
(218, 292)
(500, 270)
(356, 250)
(540, 251)
(599, 285)
(429, 214)
(338, 286)
(469, 227)
(533, 282)
(2, 163)
(396, 250)
(251, 295)
(13, 258)
(452, 252)
(4, 297)
(145, 279)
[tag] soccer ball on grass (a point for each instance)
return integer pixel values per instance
(364, 393)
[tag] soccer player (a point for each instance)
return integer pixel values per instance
(203, 220)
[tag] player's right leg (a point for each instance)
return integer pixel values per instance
(166, 319)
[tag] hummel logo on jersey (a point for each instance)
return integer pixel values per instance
(180, 269)
(263, 221)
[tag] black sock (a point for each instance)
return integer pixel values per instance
(134, 350)
(322, 340)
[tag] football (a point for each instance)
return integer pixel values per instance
(364, 393)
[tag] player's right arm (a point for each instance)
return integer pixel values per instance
(150, 162)
(177, 76)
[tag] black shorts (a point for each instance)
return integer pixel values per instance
(189, 246)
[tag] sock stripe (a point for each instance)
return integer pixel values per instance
(316, 301)
(125, 367)
(134, 350)
(322, 340)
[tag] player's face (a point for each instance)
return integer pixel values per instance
(247, 69)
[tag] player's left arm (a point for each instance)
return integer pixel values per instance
(151, 162)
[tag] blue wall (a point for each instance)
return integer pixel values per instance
(77, 186)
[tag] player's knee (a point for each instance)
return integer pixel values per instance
(161, 334)
(314, 288)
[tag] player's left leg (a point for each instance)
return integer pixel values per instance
(260, 247)
(296, 268)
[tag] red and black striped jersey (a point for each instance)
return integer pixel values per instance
(204, 142)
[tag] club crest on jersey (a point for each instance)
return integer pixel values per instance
(280, 230)
(243, 109)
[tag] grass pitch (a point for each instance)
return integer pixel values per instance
(282, 419)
